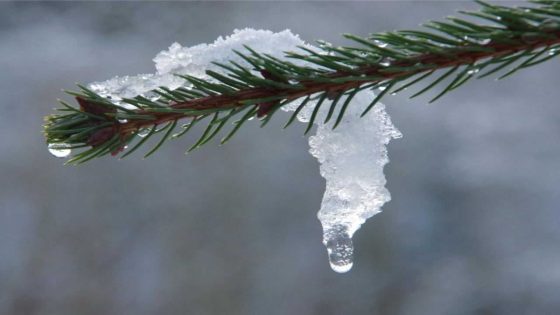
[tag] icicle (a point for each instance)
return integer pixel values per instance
(351, 160)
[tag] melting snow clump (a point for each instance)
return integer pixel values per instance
(351, 157)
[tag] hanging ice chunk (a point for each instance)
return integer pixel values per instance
(351, 157)
(351, 160)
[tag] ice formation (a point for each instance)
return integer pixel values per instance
(351, 157)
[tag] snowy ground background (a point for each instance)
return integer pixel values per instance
(473, 227)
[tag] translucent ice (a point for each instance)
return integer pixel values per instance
(351, 160)
(351, 157)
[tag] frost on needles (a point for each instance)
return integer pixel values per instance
(351, 157)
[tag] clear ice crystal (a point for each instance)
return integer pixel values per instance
(351, 157)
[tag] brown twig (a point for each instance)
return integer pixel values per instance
(436, 61)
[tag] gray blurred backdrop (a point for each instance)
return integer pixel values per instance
(473, 228)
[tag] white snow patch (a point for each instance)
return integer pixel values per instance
(196, 60)
(351, 157)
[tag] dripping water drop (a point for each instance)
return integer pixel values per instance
(340, 248)
(60, 150)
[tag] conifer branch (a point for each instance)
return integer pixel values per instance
(511, 39)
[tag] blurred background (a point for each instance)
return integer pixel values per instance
(473, 227)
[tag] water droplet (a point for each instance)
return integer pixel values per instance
(385, 63)
(340, 248)
(123, 121)
(531, 38)
(324, 43)
(553, 51)
(60, 150)
(151, 96)
(473, 71)
(382, 88)
(480, 41)
(143, 132)
(549, 25)
(484, 41)
(380, 43)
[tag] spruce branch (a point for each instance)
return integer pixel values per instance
(508, 39)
